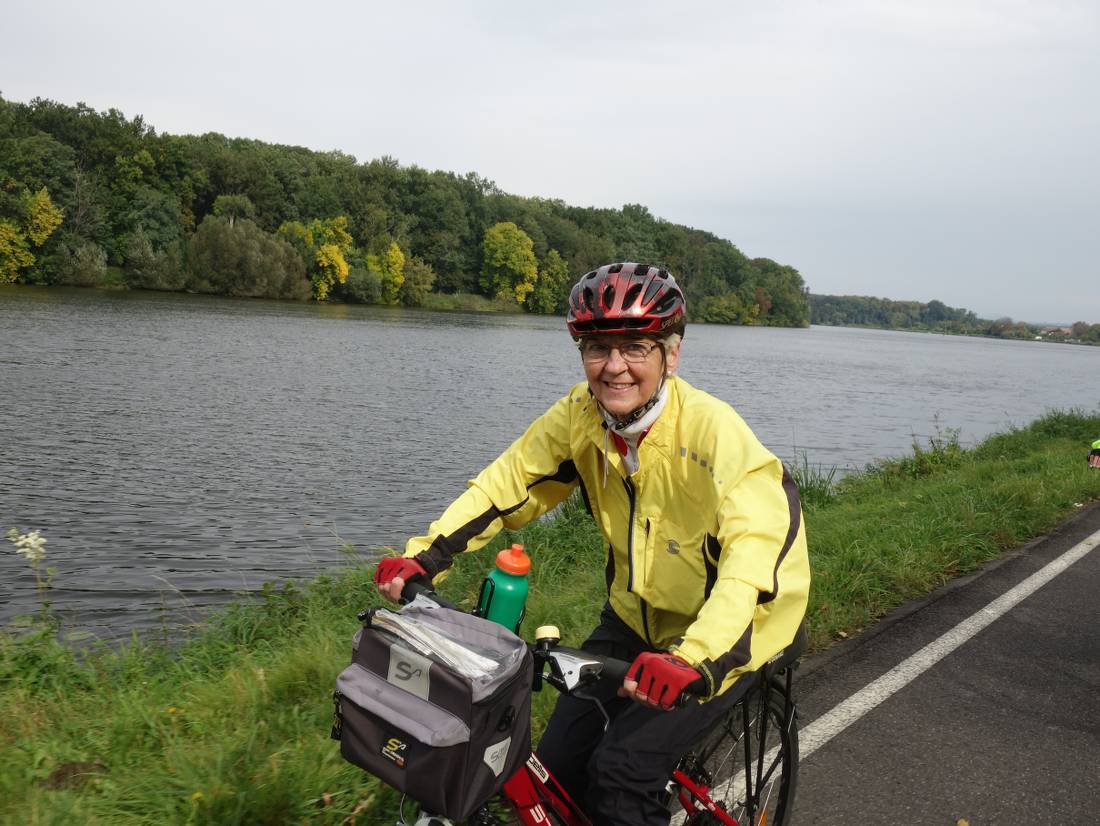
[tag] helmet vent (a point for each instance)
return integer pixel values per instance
(589, 299)
(609, 296)
(651, 291)
(668, 300)
(631, 296)
(615, 268)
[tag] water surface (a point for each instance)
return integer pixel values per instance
(176, 449)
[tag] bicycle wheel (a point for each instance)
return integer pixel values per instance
(750, 762)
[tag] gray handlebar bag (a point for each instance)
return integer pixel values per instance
(445, 738)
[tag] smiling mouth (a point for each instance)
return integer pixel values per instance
(618, 386)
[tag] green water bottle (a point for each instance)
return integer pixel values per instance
(504, 591)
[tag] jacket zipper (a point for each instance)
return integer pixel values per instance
(630, 536)
(630, 560)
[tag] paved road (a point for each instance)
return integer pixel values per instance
(1003, 730)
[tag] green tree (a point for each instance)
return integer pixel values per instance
(81, 263)
(419, 277)
(552, 287)
(720, 309)
(364, 286)
(149, 269)
(243, 260)
(233, 207)
(509, 269)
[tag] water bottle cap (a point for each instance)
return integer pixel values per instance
(513, 560)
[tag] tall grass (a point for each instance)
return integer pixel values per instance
(232, 727)
(903, 527)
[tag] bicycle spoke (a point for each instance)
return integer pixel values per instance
(752, 779)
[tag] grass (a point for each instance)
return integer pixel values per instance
(232, 727)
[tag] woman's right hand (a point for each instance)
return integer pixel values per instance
(393, 572)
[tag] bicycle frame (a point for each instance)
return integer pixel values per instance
(533, 792)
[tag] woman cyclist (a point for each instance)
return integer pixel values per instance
(706, 567)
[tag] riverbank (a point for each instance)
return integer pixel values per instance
(1042, 337)
(232, 728)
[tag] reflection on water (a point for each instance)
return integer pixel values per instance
(180, 448)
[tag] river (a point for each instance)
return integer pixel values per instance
(175, 450)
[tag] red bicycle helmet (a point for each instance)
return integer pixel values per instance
(626, 298)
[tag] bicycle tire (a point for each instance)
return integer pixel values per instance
(720, 761)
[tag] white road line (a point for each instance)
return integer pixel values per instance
(830, 724)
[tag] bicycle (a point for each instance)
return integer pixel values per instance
(743, 774)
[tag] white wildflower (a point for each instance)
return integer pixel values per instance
(31, 545)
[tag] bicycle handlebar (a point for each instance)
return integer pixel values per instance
(610, 667)
(416, 587)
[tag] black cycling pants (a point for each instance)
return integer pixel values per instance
(619, 777)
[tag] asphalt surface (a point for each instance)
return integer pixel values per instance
(1003, 730)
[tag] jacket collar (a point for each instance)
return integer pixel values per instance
(659, 439)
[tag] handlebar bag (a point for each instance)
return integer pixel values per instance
(444, 738)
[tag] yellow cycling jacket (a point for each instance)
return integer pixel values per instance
(706, 548)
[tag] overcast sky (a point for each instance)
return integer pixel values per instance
(910, 150)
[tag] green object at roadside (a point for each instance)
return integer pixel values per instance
(1096, 445)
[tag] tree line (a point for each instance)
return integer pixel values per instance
(867, 311)
(96, 198)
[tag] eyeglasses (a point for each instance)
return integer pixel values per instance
(632, 351)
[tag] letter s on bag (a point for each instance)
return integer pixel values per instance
(405, 671)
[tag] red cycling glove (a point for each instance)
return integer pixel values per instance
(398, 566)
(661, 677)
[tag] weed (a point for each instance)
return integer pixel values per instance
(817, 485)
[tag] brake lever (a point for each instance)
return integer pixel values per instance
(599, 705)
(570, 674)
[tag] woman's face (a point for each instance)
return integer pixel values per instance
(622, 385)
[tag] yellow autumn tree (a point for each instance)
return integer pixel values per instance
(14, 252)
(323, 244)
(30, 224)
(393, 273)
(332, 267)
(42, 217)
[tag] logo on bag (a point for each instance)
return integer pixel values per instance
(409, 670)
(393, 749)
(496, 754)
